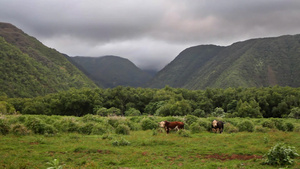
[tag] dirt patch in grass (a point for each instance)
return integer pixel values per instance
(224, 157)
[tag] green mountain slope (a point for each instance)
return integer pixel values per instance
(252, 63)
(28, 68)
(112, 71)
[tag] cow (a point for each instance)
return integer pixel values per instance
(177, 125)
(217, 125)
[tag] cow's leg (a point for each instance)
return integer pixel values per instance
(176, 128)
(221, 130)
(167, 130)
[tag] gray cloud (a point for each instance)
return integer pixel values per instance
(149, 33)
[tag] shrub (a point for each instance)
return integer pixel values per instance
(279, 124)
(36, 125)
(205, 124)
(246, 125)
(86, 128)
(21, 119)
(132, 112)
(6, 108)
(91, 118)
(184, 133)
(281, 155)
(297, 129)
(148, 124)
(189, 119)
(218, 112)
(123, 129)
(99, 129)
(199, 113)
(268, 124)
(121, 142)
(20, 129)
(115, 121)
(49, 129)
(295, 113)
(68, 125)
(195, 128)
(261, 129)
(289, 126)
(4, 127)
(231, 128)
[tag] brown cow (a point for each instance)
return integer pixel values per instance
(217, 125)
(171, 125)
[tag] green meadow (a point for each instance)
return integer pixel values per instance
(137, 142)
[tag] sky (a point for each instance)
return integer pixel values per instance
(150, 33)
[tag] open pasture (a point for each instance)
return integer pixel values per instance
(140, 148)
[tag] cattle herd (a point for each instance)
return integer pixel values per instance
(177, 125)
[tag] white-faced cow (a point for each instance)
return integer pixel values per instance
(171, 125)
(217, 125)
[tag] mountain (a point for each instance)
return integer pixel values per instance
(112, 71)
(252, 63)
(29, 68)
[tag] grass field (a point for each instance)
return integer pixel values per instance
(143, 148)
(202, 150)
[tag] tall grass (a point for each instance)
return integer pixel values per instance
(106, 148)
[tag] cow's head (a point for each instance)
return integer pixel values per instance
(162, 124)
(214, 123)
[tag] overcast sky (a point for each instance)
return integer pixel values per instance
(150, 33)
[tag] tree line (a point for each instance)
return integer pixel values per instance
(276, 101)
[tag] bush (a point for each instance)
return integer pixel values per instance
(289, 126)
(36, 125)
(261, 129)
(246, 125)
(199, 113)
(297, 129)
(279, 124)
(189, 119)
(123, 129)
(4, 127)
(195, 128)
(148, 124)
(49, 129)
(115, 120)
(20, 129)
(184, 133)
(132, 112)
(281, 155)
(121, 142)
(67, 125)
(231, 128)
(205, 124)
(268, 124)
(99, 129)
(86, 128)
(91, 118)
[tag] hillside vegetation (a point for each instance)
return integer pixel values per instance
(277, 102)
(112, 71)
(28, 68)
(252, 63)
(91, 141)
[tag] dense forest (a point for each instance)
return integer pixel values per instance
(277, 102)
(259, 62)
(29, 68)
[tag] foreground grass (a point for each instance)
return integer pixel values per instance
(202, 150)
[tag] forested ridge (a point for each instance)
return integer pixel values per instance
(111, 71)
(29, 68)
(277, 102)
(258, 62)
